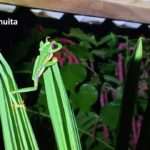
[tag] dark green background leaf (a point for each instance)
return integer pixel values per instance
(110, 114)
(86, 97)
(72, 75)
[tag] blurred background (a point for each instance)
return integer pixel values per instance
(93, 63)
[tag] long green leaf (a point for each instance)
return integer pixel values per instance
(21, 134)
(62, 117)
(129, 98)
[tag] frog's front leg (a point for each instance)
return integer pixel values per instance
(45, 66)
(52, 62)
(57, 46)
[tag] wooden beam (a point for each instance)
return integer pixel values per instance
(132, 10)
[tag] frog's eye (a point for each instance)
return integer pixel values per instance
(53, 44)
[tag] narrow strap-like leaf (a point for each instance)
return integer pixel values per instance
(55, 113)
(58, 101)
(69, 116)
(129, 98)
(20, 122)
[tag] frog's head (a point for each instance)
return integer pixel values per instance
(45, 46)
(49, 47)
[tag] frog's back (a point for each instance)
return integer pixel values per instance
(41, 58)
